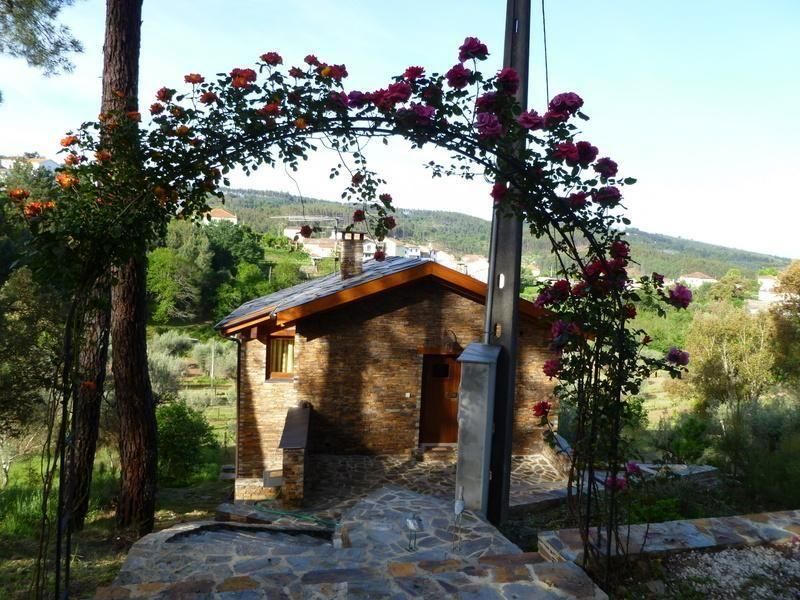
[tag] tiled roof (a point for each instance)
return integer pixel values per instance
(220, 213)
(323, 286)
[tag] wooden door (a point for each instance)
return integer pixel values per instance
(441, 375)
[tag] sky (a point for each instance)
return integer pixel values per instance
(696, 99)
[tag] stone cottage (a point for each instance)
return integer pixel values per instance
(364, 362)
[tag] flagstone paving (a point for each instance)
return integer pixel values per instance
(336, 482)
(680, 536)
(368, 555)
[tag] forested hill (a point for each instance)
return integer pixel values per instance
(463, 234)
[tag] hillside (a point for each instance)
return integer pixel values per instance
(464, 234)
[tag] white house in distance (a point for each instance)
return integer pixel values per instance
(696, 279)
(217, 215)
(6, 162)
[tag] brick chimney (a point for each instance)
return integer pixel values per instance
(352, 254)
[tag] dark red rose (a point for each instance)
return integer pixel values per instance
(586, 153)
(458, 76)
(359, 216)
(156, 108)
(620, 249)
(499, 191)
(606, 167)
(208, 97)
(608, 196)
(379, 255)
(567, 151)
(552, 118)
(389, 222)
(273, 59)
(577, 200)
(508, 80)
(164, 94)
(297, 72)
(312, 60)
(472, 48)
(486, 103)
(306, 231)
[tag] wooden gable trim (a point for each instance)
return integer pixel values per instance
(457, 282)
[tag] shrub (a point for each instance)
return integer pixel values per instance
(170, 342)
(165, 373)
(186, 441)
(224, 358)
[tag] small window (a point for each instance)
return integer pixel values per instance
(280, 357)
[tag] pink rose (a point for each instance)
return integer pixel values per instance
(678, 357)
(586, 153)
(552, 118)
(530, 120)
(608, 196)
(488, 126)
(412, 73)
(486, 103)
(552, 367)
(680, 296)
(499, 191)
(568, 102)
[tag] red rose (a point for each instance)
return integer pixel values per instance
(164, 94)
(385, 198)
(273, 59)
(273, 109)
(499, 191)
(379, 255)
(306, 231)
(296, 72)
(552, 367)
(312, 60)
(412, 73)
(156, 108)
(541, 408)
(357, 179)
(389, 222)
(194, 78)
(242, 78)
(629, 311)
(620, 249)
(208, 97)
(577, 200)
(359, 215)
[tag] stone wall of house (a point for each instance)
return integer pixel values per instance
(294, 476)
(261, 413)
(360, 368)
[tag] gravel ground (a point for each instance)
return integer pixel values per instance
(758, 572)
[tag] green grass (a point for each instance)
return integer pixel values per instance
(100, 550)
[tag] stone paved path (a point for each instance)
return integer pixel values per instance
(681, 536)
(336, 482)
(368, 556)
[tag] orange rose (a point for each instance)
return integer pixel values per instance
(177, 112)
(208, 97)
(134, 115)
(69, 140)
(182, 130)
(66, 180)
(102, 155)
(35, 209)
(194, 78)
(72, 159)
(300, 123)
(18, 194)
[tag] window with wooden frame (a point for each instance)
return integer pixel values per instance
(280, 355)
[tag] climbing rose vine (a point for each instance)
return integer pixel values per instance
(125, 178)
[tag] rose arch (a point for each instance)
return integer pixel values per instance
(122, 183)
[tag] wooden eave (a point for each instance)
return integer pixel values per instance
(267, 318)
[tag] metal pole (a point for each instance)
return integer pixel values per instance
(501, 327)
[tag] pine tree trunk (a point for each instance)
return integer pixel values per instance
(135, 403)
(87, 400)
(120, 91)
